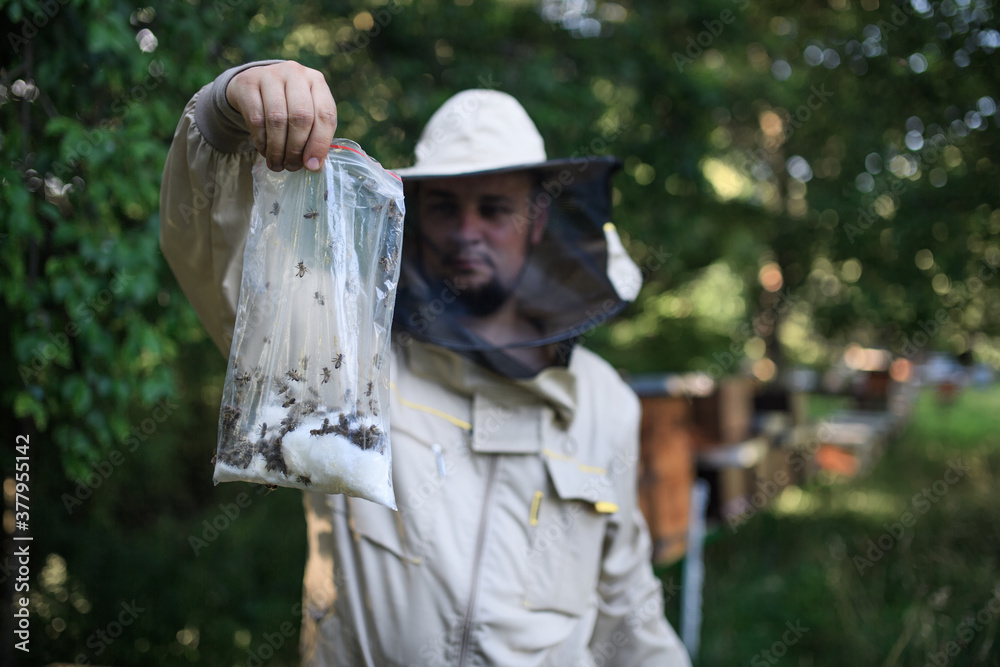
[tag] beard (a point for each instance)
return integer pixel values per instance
(482, 300)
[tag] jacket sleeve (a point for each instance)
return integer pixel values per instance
(205, 201)
(631, 628)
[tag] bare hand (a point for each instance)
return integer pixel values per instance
(289, 111)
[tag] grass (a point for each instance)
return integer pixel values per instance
(835, 560)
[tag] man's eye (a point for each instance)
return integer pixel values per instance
(441, 208)
(493, 211)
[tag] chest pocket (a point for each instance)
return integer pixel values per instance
(569, 520)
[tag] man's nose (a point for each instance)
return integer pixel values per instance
(469, 225)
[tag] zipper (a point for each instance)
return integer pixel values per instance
(477, 562)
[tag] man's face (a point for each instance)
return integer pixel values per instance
(476, 233)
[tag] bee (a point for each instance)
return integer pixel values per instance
(270, 487)
(301, 266)
(267, 339)
(215, 457)
(386, 263)
(377, 207)
(319, 298)
(309, 408)
(373, 408)
(243, 377)
(392, 208)
(377, 360)
(326, 375)
(311, 214)
(290, 424)
(338, 360)
(282, 387)
(294, 375)
(312, 390)
(305, 363)
(275, 210)
(302, 479)
(288, 403)
(236, 363)
(263, 429)
(230, 415)
(326, 195)
(368, 393)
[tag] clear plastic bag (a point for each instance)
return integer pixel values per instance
(305, 403)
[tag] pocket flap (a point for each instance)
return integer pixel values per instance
(575, 480)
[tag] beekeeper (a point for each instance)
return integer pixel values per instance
(518, 539)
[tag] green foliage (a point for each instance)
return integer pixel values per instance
(97, 335)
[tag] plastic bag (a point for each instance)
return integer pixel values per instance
(305, 403)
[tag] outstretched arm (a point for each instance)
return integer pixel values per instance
(207, 191)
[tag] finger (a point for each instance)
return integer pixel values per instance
(275, 121)
(247, 100)
(324, 124)
(299, 101)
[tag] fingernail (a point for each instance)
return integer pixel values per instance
(312, 164)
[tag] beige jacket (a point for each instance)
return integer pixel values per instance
(518, 540)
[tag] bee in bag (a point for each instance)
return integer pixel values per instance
(301, 266)
(288, 403)
(305, 364)
(312, 390)
(275, 210)
(302, 479)
(311, 214)
(338, 360)
(368, 393)
(282, 387)
(386, 263)
(263, 429)
(294, 375)
(243, 378)
(319, 298)
(326, 375)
